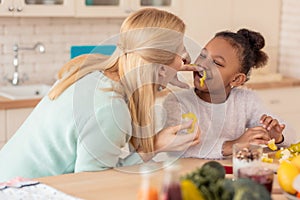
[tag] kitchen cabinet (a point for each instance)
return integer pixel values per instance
(284, 102)
(2, 128)
(121, 8)
(11, 120)
(40, 8)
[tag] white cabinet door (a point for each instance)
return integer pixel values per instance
(14, 119)
(103, 8)
(2, 128)
(285, 103)
(173, 6)
(6, 7)
(122, 8)
(41, 8)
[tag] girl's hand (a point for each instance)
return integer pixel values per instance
(168, 139)
(273, 127)
(255, 135)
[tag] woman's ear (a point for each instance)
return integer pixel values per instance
(239, 79)
(162, 71)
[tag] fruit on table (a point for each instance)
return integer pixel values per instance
(272, 145)
(192, 116)
(288, 153)
(286, 174)
(211, 182)
(265, 158)
(294, 148)
(190, 191)
(296, 162)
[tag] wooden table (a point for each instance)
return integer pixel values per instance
(119, 184)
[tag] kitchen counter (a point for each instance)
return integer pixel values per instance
(285, 82)
(104, 184)
(6, 103)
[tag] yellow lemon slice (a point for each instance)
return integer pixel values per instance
(192, 116)
(272, 145)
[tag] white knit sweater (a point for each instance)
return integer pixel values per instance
(218, 122)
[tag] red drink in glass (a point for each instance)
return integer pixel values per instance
(260, 175)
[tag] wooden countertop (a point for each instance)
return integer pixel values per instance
(285, 82)
(6, 103)
(119, 183)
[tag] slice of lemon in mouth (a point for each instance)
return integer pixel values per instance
(203, 77)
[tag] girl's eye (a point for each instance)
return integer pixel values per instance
(220, 65)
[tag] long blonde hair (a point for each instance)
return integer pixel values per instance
(148, 38)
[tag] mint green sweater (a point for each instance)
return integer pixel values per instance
(84, 129)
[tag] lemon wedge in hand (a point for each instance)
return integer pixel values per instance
(192, 116)
(272, 145)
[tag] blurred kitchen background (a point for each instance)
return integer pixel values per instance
(59, 24)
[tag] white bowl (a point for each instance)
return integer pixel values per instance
(35, 91)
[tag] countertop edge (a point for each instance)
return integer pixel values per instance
(14, 104)
(6, 103)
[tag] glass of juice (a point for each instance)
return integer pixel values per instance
(259, 174)
(245, 155)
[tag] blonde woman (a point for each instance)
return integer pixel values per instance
(101, 104)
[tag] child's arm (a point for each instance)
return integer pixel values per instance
(256, 135)
(273, 127)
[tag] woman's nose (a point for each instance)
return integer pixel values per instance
(186, 58)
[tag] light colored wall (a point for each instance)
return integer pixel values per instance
(203, 18)
(57, 34)
(289, 56)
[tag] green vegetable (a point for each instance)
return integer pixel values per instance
(206, 177)
(247, 189)
(210, 180)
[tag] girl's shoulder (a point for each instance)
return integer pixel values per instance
(243, 91)
(246, 95)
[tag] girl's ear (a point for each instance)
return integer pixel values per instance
(239, 79)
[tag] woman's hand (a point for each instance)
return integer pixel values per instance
(168, 139)
(255, 135)
(273, 127)
(176, 82)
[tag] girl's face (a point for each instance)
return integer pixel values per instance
(222, 59)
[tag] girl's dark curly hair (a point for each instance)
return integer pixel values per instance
(248, 45)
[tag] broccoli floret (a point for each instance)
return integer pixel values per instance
(223, 189)
(210, 180)
(247, 189)
(213, 171)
